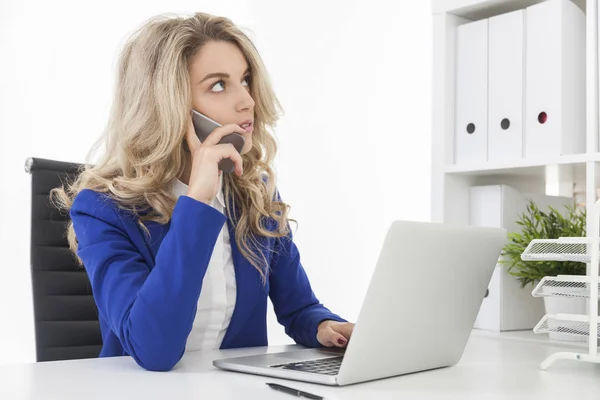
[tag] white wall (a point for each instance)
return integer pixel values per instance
(353, 77)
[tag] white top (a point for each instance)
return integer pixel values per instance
(218, 294)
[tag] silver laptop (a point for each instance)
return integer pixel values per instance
(418, 313)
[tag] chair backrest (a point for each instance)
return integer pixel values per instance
(66, 317)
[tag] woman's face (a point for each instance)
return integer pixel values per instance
(220, 86)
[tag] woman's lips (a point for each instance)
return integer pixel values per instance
(247, 126)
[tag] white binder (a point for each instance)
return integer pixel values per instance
(471, 93)
(555, 79)
(507, 306)
(506, 86)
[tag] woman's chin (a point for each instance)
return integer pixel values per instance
(247, 145)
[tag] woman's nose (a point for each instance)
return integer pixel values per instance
(246, 101)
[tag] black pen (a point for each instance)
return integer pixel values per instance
(294, 392)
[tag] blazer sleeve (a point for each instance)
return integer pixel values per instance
(151, 311)
(294, 302)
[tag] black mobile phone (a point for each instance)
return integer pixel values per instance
(204, 126)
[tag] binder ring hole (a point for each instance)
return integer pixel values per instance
(542, 117)
(471, 128)
(505, 123)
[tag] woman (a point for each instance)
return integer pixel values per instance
(181, 256)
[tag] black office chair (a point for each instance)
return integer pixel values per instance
(66, 317)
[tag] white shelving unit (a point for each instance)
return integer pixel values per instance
(574, 175)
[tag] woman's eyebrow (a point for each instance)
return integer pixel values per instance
(220, 75)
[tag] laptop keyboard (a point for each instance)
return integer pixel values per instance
(325, 366)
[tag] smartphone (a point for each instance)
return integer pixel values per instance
(204, 126)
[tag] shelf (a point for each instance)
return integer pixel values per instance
(575, 176)
(564, 286)
(523, 167)
(562, 249)
(479, 9)
(577, 325)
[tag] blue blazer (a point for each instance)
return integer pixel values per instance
(146, 288)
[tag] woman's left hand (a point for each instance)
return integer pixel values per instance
(334, 334)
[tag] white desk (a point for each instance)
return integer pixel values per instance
(494, 366)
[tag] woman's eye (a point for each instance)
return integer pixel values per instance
(219, 83)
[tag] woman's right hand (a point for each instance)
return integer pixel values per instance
(205, 173)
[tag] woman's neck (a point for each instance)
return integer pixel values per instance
(187, 171)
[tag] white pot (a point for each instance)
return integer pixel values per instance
(565, 305)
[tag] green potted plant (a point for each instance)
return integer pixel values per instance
(549, 224)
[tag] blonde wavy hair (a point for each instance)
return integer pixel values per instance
(144, 139)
